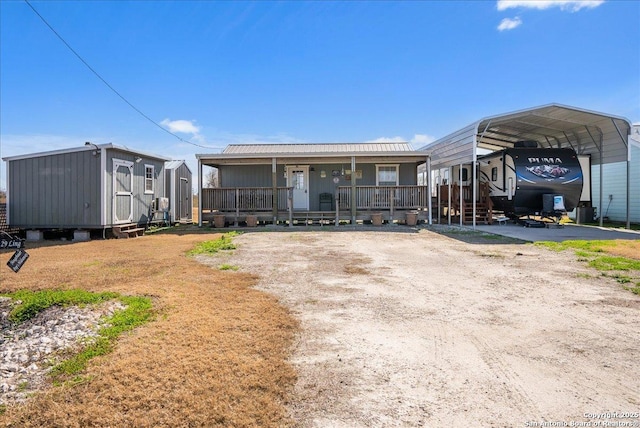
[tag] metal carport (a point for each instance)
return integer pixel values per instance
(603, 136)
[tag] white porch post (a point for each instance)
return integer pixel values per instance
(353, 190)
(460, 189)
(274, 187)
(199, 193)
(428, 181)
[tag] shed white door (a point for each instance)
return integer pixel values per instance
(298, 178)
(184, 193)
(122, 191)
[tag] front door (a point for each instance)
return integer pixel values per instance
(122, 191)
(298, 178)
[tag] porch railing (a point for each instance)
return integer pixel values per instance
(244, 199)
(260, 199)
(384, 197)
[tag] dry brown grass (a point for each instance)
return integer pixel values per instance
(216, 354)
(624, 248)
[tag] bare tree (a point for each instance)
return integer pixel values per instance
(211, 178)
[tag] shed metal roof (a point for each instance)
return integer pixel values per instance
(86, 147)
(175, 164)
(601, 135)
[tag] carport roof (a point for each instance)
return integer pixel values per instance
(601, 135)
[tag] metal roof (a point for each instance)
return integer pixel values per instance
(603, 136)
(253, 149)
(175, 164)
(333, 152)
(85, 148)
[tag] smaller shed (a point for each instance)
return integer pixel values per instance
(88, 187)
(179, 191)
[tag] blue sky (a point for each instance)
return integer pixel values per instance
(216, 73)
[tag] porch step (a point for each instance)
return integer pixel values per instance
(130, 230)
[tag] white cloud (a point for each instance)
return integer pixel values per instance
(182, 126)
(509, 23)
(388, 140)
(422, 139)
(570, 5)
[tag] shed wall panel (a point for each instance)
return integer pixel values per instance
(614, 183)
(141, 201)
(55, 191)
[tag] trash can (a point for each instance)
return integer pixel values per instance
(585, 215)
(326, 202)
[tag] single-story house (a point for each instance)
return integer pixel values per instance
(90, 187)
(339, 182)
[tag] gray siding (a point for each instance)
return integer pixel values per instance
(141, 201)
(260, 176)
(614, 183)
(180, 194)
(246, 175)
(55, 191)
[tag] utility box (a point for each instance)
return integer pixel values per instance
(326, 202)
(585, 215)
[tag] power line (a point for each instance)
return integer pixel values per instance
(107, 83)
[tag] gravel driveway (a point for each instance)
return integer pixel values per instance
(417, 329)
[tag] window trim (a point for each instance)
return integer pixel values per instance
(152, 179)
(386, 165)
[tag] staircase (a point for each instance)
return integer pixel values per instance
(484, 212)
(484, 206)
(130, 230)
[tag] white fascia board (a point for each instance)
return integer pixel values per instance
(83, 149)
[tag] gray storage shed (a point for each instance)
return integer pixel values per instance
(179, 191)
(87, 187)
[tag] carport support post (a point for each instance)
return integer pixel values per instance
(274, 190)
(428, 182)
(628, 226)
(460, 189)
(199, 193)
(353, 190)
(449, 177)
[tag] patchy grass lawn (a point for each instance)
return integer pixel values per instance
(215, 354)
(617, 259)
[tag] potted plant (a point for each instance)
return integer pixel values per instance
(252, 220)
(376, 219)
(411, 218)
(219, 220)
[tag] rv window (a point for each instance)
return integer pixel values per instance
(465, 174)
(494, 173)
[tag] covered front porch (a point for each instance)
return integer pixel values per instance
(393, 203)
(303, 184)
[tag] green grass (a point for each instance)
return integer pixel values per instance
(33, 302)
(226, 266)
(594, 254)
(137, 312)
(211, 247)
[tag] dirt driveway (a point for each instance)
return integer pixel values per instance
(419, 329)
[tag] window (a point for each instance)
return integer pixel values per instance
(386, 175)
(149, 178)
(465, 174)
(494, 173)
